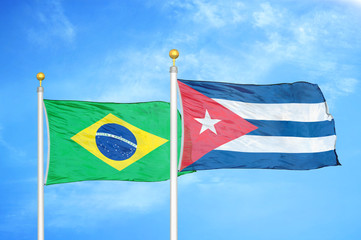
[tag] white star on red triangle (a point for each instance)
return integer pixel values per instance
(207, 123)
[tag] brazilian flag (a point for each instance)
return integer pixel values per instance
(108, 141)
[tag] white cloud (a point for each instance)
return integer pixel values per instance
(340, 87)
(353, 2)
(283, 37)
(215, 14)
(13, 151)
(311, 41)
(13, 222)
(52, 24)
(227, 187)
(86, 204)
(218, 15)
(188, 180)
(135, 76)
(348, 85)
(337, 88)
(268, 16)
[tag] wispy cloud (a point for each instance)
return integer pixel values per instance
(314, 43)
(13, 151)
(339, 87)
(348, 85)
(52, 23)
(121, 75)
(352, 2)
(88, 203)
(247, 195)
(267, 16)
(136, 76)
(214, 14)
(14, 222)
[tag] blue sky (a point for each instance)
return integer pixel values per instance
(118, 51)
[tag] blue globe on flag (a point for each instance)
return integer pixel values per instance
(116, 142)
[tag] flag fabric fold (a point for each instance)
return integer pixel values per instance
(280, 126)
(108, 141)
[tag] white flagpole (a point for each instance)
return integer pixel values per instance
(40, 76)
(173, 148)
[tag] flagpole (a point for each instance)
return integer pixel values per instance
(40, 76)
(173, 148)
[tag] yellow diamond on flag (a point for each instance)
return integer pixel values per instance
(117, 142)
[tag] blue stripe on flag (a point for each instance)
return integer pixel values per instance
(299, 92)
(293, 129)
(292, 161)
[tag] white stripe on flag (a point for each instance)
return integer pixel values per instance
(271, 144)
(299, 112)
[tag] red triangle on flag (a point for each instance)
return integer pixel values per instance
(207, 125)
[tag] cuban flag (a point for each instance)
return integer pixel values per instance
(280, 126)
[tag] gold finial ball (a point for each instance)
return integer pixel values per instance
(40, 76)
(173, 53)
